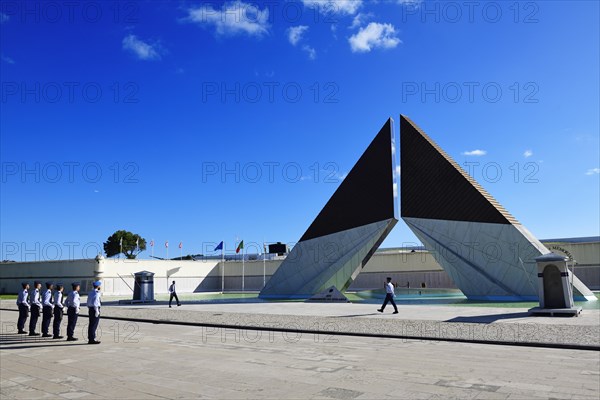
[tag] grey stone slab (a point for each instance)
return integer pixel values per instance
(75, 395)
(340, 393)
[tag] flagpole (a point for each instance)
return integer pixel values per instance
(264, 264)
(243, 267)
(223, 268)
(167, 245)
(152, 241)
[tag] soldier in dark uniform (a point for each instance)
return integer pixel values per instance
(58, 311)
(47, 308)
(36, 307)
(73, 302)
(23, 307)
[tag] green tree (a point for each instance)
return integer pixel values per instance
(132, 244)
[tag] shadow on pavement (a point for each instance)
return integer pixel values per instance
(355, 315)
(486, 319)
(15, 341)
(61, 344)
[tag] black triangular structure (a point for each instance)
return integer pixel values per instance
(366, 195)
(434, 186)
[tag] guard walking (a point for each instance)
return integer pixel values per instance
(47, 308)
(389, 296)
(173, 293)
(35, 307)
(73, 302)
(93, 303)
(23, 308)
(58, 311)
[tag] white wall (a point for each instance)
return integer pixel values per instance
(66, 271)
(205, 276)
(117, 274)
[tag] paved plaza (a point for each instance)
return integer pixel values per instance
(140, 360)
(459, 323)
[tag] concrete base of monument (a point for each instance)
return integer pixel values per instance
(329, 295)
(570, 312)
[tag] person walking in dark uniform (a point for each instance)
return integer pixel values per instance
(35, 307)
(93, 303)
(58, 311)
(47, 308)
(173, 293)
(73, 302)
(23, 308)
(389, 296)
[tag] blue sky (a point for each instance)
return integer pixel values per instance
(197, 122)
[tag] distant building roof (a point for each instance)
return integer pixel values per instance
(584, 239)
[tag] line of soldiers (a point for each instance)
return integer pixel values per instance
(49, 304)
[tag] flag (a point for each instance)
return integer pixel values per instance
(152, 243)
(181, 245)
(219, 247)
(167, 244)
(240, 246)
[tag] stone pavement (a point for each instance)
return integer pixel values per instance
(456, 323)
(146, 361)
(410, 311)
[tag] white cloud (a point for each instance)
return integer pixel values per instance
(374, 35)
(312, 53)
(141, 49)
(295, 33)
(360, 19)
(7, 59)
(410, 3)
(527, 153)
(477, 153)
(233, 18)
(593, 171)
(329, 7)
(3, 17)
(586, 137)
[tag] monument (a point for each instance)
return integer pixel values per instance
(488, 254)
